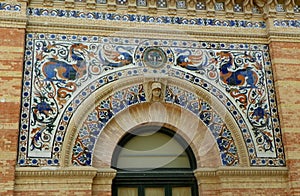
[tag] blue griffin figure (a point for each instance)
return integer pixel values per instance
(243, 77)
(117, 57)
(58, 70)
(191, 61)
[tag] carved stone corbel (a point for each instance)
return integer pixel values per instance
(191, 5)
(26, 1)
(261, 3)
(152, 9)
(229, 5)
(269, 8)
(210, 7)
(111, 5)
(248, 8)
(289, 7)
(48, 3)
(172, 7)
(91, 4)
(69, 3)
(132, 8)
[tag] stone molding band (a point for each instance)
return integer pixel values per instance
(90, 172)
(271, 23)
(241, 171)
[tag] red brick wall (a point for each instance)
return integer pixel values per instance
(286, 65)
(11, 65)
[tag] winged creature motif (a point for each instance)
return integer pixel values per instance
(61, 70)
(192, 61)
(115, 57)
(245, 77)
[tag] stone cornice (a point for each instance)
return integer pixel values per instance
(255, 22)
(241, 171)
(54, 175)
(96, 22)
(86, 172)
(76, 177)
(210, 8)
(150, 30)
(106, 173)
(13, 15)
(284, 30)
(90, 172)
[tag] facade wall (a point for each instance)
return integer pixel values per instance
(286, 65)
(69, 181)
(244, 183)
(11, 60)
(284, 46)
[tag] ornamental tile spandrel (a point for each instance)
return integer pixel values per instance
(62, 71)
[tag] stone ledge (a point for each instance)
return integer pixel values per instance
(44, 179)
(246, 9)
(55, 171)
(241, 171)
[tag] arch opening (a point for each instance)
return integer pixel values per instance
(152, 147)
(200, 108)
(153, 160)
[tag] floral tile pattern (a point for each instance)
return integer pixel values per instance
(76, 14)
(287, 23)
(62, 71)
(108, 108)
(4, 6)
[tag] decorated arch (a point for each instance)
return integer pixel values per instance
(74, 86)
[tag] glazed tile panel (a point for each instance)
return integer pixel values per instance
(287, 23)
(97, 119)
(62, 71)
(10, 7)
(136, 18)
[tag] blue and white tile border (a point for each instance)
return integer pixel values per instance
(38, 148)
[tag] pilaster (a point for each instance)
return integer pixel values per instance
(55, 181)
(242, 180)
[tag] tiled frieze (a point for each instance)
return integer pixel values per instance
(10, 7)
(255, 7)
(62, 71)
(287, 23)
(109, 16)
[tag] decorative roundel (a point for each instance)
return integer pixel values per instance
(154, 57)
(154, 54)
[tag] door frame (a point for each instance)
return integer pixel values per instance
(155, 178)
(159, 177)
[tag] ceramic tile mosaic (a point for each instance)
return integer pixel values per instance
(181, 4)
(43, 12)
(256, 10)
(161, 3)
(200, 6)
(120, 100)
(280, 8)
(238, 8)
(141, 3)
(10, 7)
(97, 119)
(101, 1)
(62, 71)
(121, 2)
(219, 6)
(287, 23)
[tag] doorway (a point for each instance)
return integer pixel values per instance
(153, 161)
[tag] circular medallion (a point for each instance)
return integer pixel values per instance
(154, 57)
